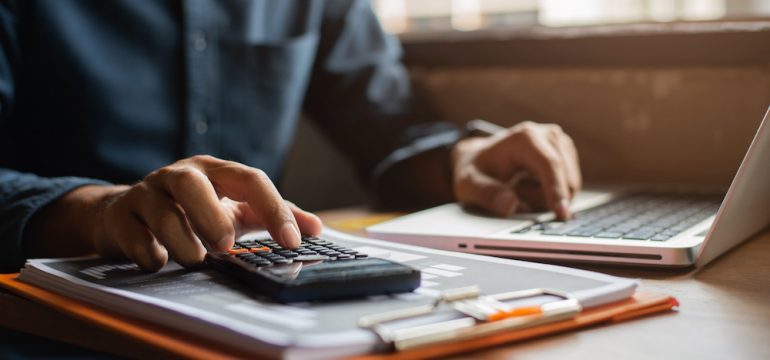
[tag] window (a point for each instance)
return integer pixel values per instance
(412, 16)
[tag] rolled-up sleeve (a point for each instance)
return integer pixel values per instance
(361, 95)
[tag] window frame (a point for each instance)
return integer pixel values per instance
(714, 43)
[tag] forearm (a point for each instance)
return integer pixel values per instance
(22, 197)
(67, 226)
(419, 181)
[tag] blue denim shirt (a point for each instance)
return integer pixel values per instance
(99, 91)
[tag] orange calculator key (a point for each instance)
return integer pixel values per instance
(237, 251)
(260, 249)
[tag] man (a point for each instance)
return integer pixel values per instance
(94, 94)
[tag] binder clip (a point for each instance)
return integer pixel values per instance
(465, 313)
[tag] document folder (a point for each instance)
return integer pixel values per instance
(186, 346)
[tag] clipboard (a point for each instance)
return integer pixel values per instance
(198, 347)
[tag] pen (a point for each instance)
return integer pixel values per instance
(482, 127)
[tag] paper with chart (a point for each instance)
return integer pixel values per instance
(206, 302)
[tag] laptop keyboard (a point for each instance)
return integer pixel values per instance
(635, 217)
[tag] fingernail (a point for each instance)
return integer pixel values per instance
(290, 235)
(504, 203)
(562, 208)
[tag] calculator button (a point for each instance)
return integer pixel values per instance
(237, 251)
(260, 249)
(345, 256)
(361, 256)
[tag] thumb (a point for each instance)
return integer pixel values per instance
(483, 191)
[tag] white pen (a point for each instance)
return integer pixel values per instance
(483, 127)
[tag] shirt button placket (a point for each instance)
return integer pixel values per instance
(199, 42)
(200, 77)
(201, 124)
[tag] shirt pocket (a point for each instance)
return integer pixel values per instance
(266, 83)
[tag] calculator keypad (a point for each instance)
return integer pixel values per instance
(263, 252)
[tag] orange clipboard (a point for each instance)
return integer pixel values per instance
(198, 347)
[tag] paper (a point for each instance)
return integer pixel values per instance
(439, 272)
(206, 302)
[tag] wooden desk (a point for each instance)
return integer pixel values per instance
(724, 314)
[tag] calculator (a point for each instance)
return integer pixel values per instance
(317, 270)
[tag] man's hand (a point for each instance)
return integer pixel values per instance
(526, 167)
(179, 208)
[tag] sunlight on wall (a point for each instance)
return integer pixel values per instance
(400, 16)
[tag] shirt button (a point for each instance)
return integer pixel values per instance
(201, 126)
(199, 42)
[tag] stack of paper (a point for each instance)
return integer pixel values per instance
(223, 311)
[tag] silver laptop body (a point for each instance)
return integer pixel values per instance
(633, 225)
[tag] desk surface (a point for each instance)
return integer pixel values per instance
(724, 313)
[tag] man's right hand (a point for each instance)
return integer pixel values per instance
(174, 210)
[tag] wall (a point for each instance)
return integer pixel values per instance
(317, 175)
(648, 103)
(689, 125)
(673, 102)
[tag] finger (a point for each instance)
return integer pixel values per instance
(253, 186)
(193, 191)
(536, 153)
(171, 228)
(566, 149)
(480, 190)
(135, 240)
(577, 175)
(530, 191)
(522, 180)
(308, 223)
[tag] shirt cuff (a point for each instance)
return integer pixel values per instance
(442, 136)
(17, 215)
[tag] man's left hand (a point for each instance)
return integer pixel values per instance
(525, 167)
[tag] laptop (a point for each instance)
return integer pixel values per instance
(647, 226)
